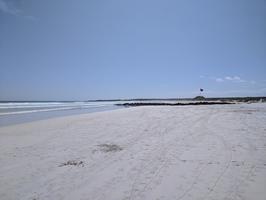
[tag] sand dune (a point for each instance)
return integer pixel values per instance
(166, 153)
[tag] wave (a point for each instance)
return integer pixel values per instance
(26, 105)
(50, 109)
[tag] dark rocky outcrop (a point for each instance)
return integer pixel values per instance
(199, 98)
(174, 104)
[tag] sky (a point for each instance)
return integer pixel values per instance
(108, 49)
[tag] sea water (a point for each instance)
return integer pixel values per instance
(20, 112)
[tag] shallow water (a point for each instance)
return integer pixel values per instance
(20, 112)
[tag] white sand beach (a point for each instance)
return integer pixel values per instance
(154, 153)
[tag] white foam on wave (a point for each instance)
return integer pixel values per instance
(46, 110)
(28, 105)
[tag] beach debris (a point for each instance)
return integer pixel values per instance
(109, 148)
(72, 163)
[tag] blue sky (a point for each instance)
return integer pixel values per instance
(103, 49)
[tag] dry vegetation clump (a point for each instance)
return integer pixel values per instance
(73, 163)
(109, 148)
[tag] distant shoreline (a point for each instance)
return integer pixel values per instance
(240, 99)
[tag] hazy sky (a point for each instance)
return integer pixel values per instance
(95, 49)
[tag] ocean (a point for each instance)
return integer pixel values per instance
(21, 112)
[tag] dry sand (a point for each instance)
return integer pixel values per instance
(166, 153)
